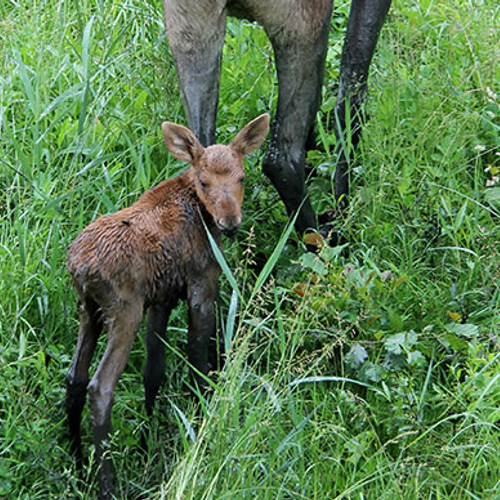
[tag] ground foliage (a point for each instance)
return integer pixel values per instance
(371, 373)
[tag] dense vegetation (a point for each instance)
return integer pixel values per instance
(360, 375)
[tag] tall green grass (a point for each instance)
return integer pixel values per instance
(372, 374)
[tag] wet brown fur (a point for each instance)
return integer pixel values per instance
(151, 255)
(149, 250)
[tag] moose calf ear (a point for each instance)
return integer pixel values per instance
(252, 135)
(181, 142)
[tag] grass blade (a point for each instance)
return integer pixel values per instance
(219, 256)
(187, 425)
(28, 87)
(271, 262)
(231, 319)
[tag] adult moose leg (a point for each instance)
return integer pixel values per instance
(78, 375)
(196, 31)
(365, 22)
(121, 333)
(300, 49)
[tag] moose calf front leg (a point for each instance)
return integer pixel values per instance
(154, 370)
(202, 323)
(217, 345)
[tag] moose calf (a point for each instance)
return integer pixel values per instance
(148, 256)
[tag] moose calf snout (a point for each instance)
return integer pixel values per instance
(148, 257)
(229, 217)
(230, 231)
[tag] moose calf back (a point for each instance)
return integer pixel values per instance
(147, 251)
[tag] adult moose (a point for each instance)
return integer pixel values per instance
(298, 30)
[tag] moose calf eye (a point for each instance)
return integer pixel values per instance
(203, 184)
(242, 180)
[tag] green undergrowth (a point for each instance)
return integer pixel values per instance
(362, 371)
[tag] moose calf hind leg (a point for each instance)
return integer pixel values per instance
(78, 376)
(122, 330)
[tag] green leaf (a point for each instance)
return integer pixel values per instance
(395, 361)
(395, 319)
(86, 44)
(330, 254)
(492, 195)
(187, 425)
(312, 261)
(28, 87)
(68, 94)
(22, 345)
(457, 344)
(371, 372)
(269, 266)
(309, 380)
(231, 319)
(219, 256)
(460, 216)
(466, 330)
(401, 342)
(141, 99)
(415, 358)
(356, 356)
(296, 430)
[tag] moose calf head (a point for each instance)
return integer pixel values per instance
(219, 174)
